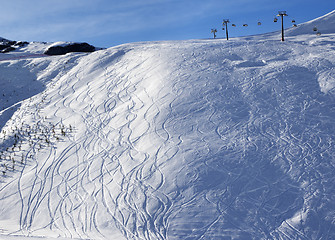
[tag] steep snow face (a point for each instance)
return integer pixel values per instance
(172, 140)
(324, 25)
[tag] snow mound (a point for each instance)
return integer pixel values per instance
(190, 139)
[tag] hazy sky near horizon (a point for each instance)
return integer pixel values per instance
(106, 23)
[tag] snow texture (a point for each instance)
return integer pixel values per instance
(200, 139)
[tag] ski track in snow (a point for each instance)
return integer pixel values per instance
(189, 140)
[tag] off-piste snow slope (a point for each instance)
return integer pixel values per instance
(200, 139)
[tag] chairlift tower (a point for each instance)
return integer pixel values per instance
(225, 24)
(282, 14)
(214, 31)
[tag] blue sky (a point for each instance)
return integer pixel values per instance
(108, 23)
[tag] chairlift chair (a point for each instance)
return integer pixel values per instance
(233, 25)
(275, 19)
(259, 23)
(315, 29)
(293, 21)
(294, 25)
(245, 25)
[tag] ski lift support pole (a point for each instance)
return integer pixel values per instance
(225, 23)
(282, 14)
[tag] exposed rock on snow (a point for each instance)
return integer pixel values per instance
(63, 48)
(8, 46)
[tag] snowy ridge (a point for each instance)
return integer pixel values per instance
(324, 25)
(201, 139)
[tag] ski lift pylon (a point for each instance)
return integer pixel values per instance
(214, 31)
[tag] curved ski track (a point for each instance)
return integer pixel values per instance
(189, 141)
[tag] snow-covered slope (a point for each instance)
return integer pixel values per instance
(201, 139)
(324, 25)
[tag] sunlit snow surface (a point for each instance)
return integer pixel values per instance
(201, 139)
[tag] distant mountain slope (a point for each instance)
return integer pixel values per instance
(3, 39)
(199, 139)
(324, 25)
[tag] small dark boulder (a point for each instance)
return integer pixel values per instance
(71, 47)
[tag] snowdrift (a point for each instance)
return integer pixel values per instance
(201, 139)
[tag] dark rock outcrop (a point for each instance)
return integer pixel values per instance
(3, 46)
(71, 47)
(8, 49)
(7, 45)
(21, 44)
